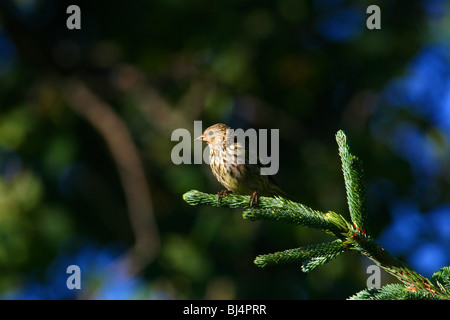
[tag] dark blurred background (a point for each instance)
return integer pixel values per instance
(86, 118)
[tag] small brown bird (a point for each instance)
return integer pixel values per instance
(236, 177)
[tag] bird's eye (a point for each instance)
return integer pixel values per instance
(210, 133)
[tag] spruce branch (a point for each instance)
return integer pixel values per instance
(354, 183)
(393, 292)
(350, 235)
(442, 279)
(367, 246)
(310, 256)
(196, 198)
(306, 217)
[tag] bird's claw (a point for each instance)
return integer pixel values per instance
(253, 199)
(223, 193)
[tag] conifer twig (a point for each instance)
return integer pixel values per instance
(354, 183)
(350, 235)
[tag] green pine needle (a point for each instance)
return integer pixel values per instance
(305, 217)
(354, 183)
(442, 279)
(309, 257)
(393, 292)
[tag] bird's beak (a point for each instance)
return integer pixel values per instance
(201, 138)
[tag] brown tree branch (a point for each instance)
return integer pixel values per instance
(129, 165)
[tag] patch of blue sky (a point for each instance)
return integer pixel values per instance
(342, 24)
(425, 87)
(421, 237)
(101, 277)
